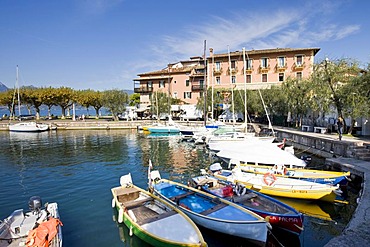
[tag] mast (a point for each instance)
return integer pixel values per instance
(231, 85)
(19, 100)
(205, 84)
(213, 80)
(245, 91)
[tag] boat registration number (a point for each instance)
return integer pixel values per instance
(299, 191)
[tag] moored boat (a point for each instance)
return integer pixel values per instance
(152, 219)
(271, 185)
(212, 212)
(28, 127)
(278, 214)
(41, 226)
(317, 176)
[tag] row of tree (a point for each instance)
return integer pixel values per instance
(113, 100)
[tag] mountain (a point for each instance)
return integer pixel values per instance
(3, 87)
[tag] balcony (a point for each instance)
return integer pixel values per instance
(249, 71)
(143, 90)
(234, 71)
(280, 68)
(263, 70)
(197, 88)
(298, 66)
(217, 71)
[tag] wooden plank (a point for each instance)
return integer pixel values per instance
(214, 209)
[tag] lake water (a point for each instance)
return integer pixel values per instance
(77, 169)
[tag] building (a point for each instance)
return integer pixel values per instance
(186, 80)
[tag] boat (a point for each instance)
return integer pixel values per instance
(271, 185)
(28, 127)
(210, 211)
(279, 215)
(170, 127)
(317, 176)
(255, 153)
(151, 218)
(39, 226)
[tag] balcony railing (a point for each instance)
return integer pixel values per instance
(197, 87)
(298, 66)
(143, 90)
(281, 68)
(264, 69)
(233, 71)
(217, 71)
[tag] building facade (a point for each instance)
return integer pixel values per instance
(254, 69)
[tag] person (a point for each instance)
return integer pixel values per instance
(340, 127)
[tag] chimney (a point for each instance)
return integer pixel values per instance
(211, 52)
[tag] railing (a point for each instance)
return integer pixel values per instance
(298, 66)
(264, 69)
(197, 87)
(143, 90)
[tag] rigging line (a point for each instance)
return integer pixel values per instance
(276, 238)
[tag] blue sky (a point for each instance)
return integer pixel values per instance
(104, 44)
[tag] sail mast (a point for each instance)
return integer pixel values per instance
(19, 100)
(245, 90)
(205, 83)
(231, 85)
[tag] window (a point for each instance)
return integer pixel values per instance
(161, 84)
(281, 76)
(175, 95)
(281, 62)
(299, 61)
(187, 95)
(201, 94)
(201, 83)
(218, 81)
(150, 84)
(233, 64)
(187, 83)
(233, 79)
(264, 77)
(218, 66)
(249, 79)
(249, 63)
(299, 76)
(264, 62)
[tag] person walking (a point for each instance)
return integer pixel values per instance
(340, 124)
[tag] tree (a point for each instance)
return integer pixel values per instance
(64, 97)
(49, 98)
(33, 97)
(134, 99)
(7, 98)
(115, 101)
(159, 103)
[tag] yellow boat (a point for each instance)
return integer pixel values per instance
(317, 176)
(272, 185)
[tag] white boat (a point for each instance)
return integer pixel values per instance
(28, 127)
(256, 152)
(212, 212)
(21, 228)
(170, 127)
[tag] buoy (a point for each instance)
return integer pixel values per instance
(120, 215)
(269, 178)
(130, 231)
(113, 203)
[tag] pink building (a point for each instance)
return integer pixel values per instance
(185, 80)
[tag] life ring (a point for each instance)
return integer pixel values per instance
(269, 178)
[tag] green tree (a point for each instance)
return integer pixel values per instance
(134, 99)
(49, 98)
(160, 103)
(115, 101)
(7, 98)
(65, 97)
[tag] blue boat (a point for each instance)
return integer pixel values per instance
(279, 214)
(210, 211)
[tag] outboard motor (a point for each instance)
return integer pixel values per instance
(35, 203)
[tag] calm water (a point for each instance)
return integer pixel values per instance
(77, 169)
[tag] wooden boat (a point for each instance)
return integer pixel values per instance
(277, 213)
(210, 211)
(21, 228)
(152, 219)
(317, 176)
(271, 185)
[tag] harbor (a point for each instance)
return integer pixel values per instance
(354, 231)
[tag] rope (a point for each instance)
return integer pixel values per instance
(276, 238)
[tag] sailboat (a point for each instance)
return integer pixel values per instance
(25, 126)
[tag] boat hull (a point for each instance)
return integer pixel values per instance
(28, 127)
(243, 223)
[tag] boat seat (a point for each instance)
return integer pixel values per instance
(158, 217)
(178, 197)
(137, 203)
(214, 209)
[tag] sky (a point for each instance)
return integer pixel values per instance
(105, 44)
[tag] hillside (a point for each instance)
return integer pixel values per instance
(3, 87)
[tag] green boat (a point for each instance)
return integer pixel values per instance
(152, 219)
